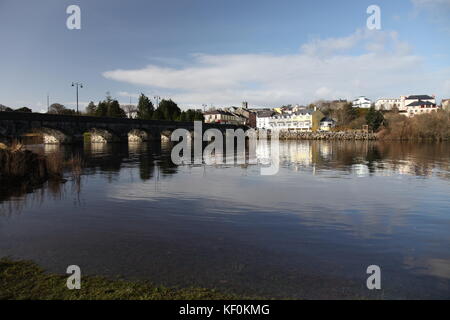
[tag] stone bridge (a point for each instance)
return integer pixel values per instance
(59, 129)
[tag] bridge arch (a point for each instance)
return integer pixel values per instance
(52, 135)
(139, 135)
(100, 135)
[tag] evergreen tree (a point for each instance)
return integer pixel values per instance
(158, 115)
(374, 118)
(109, 108)
(199, 116)
(349, 113)
(169, 110)
(91, 109)
(102, 109)
(115, 111)
(184, 116)
(145, 108)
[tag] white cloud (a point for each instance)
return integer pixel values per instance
(331, 45)
(127, 94)
(372, 63)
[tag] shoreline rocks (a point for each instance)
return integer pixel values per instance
(343, 135)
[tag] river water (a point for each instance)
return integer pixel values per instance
(310, 231)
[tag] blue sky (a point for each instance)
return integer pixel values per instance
(222, 52)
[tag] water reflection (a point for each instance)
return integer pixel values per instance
(309, 232)
(153, 160)
(366, 158)
(357, 157)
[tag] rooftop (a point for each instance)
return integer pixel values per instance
(420, 97)
(217, 112)
(420, 103)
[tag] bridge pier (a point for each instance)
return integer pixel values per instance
(165, 135)
(54, 136)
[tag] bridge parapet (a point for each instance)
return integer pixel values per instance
(70, 129)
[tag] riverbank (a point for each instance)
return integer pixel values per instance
(24, 280)
(22, 171)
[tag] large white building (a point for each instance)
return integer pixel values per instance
(306, 120)
(388, 104)
(420, 107)
(406, 101)
(362, 102)
(417, 104)
(403, 102)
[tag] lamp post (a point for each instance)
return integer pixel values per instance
(77, 84)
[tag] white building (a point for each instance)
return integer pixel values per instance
(306, 120)
(326, 124)
(388, 104)
(362, 102)
(420, 107)
(286, 122)
(263, 118)
(407, 100)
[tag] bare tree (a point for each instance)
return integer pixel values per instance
(130, 109)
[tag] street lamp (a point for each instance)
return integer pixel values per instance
(77, 84)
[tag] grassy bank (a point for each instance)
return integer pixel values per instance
(25, 280)
(433, 126)
(22, 171)
(18, 165)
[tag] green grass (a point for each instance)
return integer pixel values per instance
(24, 280)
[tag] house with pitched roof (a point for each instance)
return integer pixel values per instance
(415, 105)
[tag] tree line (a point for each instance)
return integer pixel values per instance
(109, 107)
(166, 110)
(145, 110)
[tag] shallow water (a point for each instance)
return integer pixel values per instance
(311, 231)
